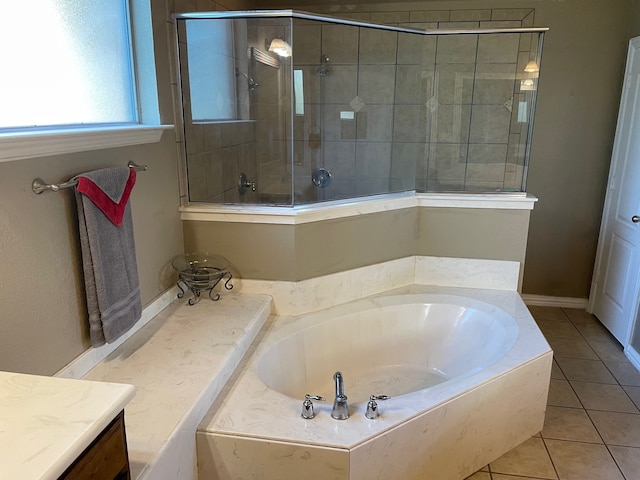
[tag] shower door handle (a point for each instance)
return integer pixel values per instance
(635, 219)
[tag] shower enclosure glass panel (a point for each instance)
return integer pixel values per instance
(325, 109)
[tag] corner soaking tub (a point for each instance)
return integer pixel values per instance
(468, 381)
(392, 349)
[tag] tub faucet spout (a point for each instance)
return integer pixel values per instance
(340, 407)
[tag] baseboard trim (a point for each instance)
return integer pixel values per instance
(547, 301)
(84, 362)
(633, 356)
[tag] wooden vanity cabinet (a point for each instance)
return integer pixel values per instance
(106, 458)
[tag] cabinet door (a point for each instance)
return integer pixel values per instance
(617, 275)
(106, 458)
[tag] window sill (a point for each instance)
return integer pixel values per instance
(22, 145)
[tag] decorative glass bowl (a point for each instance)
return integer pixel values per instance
(201, 272)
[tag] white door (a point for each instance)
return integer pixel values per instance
(616, 283)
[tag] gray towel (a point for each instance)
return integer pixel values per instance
(108, 260)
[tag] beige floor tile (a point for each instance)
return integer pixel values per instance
(556, 373)
(582, 461)
(571, 348)
(625, 373)
(547, 313)
(617, 428)
(577, 315)
(594, 332)
(609, 351)
(583, 370)
(479, 476)
(527, 459)
(628, 459)
(634, 394)
(562, 395)
(599, 396)
(499, 476)
(555, 328)
(562, 423)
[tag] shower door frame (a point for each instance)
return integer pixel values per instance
(290, 13)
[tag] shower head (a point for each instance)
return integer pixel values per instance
(251, 83)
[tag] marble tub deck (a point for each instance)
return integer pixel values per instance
(178, 363)
(459, 427)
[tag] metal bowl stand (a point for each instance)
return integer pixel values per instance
(198, 282)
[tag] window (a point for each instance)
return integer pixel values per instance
(298, 91)
(63, 68)
(68, 65)
(210, 52)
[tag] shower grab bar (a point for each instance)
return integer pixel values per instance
(344, 21)
(38, 186)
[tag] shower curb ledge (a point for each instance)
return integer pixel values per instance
(352, 207)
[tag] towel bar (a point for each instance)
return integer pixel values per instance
(38, 186)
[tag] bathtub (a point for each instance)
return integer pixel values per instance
(467, 371)
(404, 344)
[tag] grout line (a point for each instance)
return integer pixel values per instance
(615, 461)
(581, 403)
(555, 469)
(583, 408)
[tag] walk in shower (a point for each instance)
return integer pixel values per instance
(289, 108)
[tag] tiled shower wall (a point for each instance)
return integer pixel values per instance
(432, 113)
(216, 152)
(258, 142)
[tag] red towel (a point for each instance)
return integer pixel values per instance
(114, 211)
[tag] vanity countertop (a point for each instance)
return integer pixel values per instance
(47, 422)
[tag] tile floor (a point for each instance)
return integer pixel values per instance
(592, 425)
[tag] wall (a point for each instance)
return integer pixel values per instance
(580, 81)
(204, 5)
(473, 233)
(635, 18)
(421, 104)
(573, 141)
(299, 252)
(43, 319)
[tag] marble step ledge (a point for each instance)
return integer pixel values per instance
(179, 362)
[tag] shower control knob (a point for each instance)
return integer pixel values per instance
(244, 184)
(321, 177)
(635, 219)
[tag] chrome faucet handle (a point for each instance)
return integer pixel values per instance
(307, 406)
(372, 407)
(340, 409)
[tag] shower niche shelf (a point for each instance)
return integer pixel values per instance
(201, 272)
